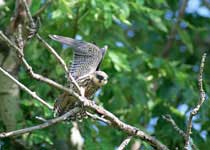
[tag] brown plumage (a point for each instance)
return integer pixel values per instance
(90, 83)
(87, 57)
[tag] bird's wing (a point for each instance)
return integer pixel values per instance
(87, 56)
(103, 51)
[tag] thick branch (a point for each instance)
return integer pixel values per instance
(41, 126)
(196, 109)
(133, 131)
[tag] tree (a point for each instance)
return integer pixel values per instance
(155, 49)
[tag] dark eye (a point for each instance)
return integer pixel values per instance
(99, 77)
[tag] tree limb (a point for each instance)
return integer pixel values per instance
(41, 126)
(200, 102)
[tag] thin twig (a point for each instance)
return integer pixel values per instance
(10, 43)
(41, 126)
(32, 23)
(196, 109)
(173, 31)
(96, 117)
(124, 143)
(42, 9)
(169, 119)
(23, 87)
(59, 59)
(51, 50)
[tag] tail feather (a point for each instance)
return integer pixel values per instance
(63, 103)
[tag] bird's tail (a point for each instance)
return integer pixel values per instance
(63, 103)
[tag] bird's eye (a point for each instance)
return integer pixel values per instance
(99, 77)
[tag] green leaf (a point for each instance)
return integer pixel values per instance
(186, 39)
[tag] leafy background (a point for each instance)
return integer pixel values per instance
(143, 82)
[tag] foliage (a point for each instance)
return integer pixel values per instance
(143, 85)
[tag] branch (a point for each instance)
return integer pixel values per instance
(23, 87)
(10, 43)
(52, 51)
(117, 123)
(169, 119)
(196, 109)
(124, 143)
(41, 126)
(173, 31)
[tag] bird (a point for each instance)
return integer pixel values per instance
(90, 83)
(87, 57)
(85, 69)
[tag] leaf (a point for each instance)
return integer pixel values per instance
(119, 60)
(185, 37)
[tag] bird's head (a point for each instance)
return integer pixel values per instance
(100, 78)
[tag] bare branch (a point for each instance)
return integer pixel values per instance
(52, 51)
(23, 87)
(42, 9)
(32, 23)
(173, 31)
(124, 143)
(196, 109)
(41, 126)
(169, 119)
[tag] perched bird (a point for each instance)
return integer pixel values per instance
(87, 57)
(90, 83)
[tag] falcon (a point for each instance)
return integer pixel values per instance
(90, 83)
(87, 58)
